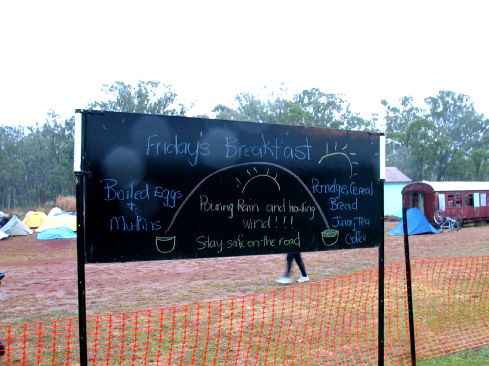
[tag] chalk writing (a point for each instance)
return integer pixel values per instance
(257, 223)
(355, 237)
(122, 223)
(176, 146)
(253, 207)
(242, 206)
(339, 221)
(273, 148)
(342, 154)
(113, 191)
(330, 237)
(257, 175)
(240, 242)
(165, 244)
(336, 205)
(230, 209)
(169, 197)
(274, 208)
(303, 208)
(207, 206)
(341, 190)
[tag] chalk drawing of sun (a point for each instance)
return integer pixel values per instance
(253, 174)
(342, 153)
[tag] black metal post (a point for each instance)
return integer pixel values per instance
(80, 245)
(381, 325)
(409, 287)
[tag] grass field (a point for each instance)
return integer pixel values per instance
(471, 357)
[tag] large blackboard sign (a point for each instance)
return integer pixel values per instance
(161, 187)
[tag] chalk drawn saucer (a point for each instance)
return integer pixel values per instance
(165, 244)
(330, 237)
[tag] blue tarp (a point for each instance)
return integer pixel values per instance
(56, 233)
(416, 222)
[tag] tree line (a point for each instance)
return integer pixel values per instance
(36, 162)
(445, 139)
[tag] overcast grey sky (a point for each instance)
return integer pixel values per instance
(58, 54)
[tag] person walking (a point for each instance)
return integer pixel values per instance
(285, 279)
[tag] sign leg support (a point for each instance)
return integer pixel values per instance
(80, 244)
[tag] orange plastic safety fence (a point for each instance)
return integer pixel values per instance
(329, 322)
(451, 307)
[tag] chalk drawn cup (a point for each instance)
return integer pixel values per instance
(330, 237)
(165, 244)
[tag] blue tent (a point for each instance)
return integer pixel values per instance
(416, 222)
(56, 233)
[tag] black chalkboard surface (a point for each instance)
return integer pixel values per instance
(164, 187)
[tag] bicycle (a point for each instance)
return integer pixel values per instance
(446, 222)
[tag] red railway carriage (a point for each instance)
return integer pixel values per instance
(467, 201)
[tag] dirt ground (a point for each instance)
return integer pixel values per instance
(41, 276)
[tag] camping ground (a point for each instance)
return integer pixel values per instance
(41, 275)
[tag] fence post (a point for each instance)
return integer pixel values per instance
(409, 287)
(381, 325)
